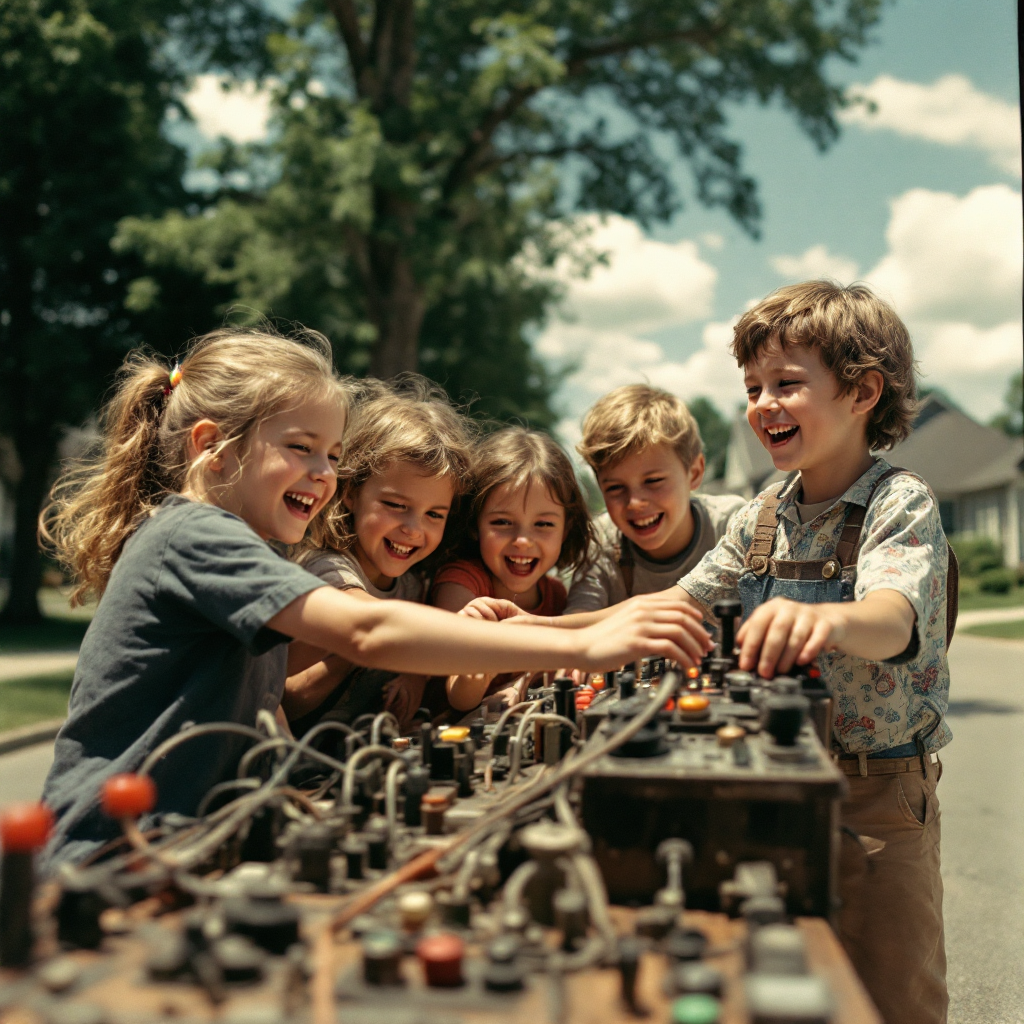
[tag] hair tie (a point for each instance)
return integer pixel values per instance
(173, 379)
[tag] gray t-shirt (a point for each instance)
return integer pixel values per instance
(342, 570)
(603, 584)
(179, 636)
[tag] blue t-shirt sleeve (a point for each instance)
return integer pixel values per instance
(215, 564)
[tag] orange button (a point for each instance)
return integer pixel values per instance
(128, 795)
(597, 681)
(693, 704)
(692, 672)
(25, 827)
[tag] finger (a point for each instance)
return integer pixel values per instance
(688, 647)
(815, 642)
(798, 636)
(774, 642)
(687, 633)
(751, 636)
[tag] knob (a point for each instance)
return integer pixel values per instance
(382, 959)
(674, 853)
(442, 762)
(441, 956)
(627, 684)
(727, 612)
(783, 716)
(24, 828)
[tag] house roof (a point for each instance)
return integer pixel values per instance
(955, 454)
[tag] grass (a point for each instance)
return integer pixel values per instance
(34, 699)
(61, 628)
(1000, 630)
(971, 602)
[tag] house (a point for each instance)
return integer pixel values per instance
(976, 472)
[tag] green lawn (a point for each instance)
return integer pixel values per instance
(1001, 630)
(981, 600)
(33, 699)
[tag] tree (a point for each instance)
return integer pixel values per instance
(84, 88)
(1011, 419)
(427, 154)
(714, 432)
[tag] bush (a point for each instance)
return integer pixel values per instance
(976, 555)
(997, 581)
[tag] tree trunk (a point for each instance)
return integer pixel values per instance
(400, 309)
(36, 456)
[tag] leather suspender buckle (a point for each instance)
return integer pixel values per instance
(830, 568)
(759, 565)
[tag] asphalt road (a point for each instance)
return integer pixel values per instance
(982, 800)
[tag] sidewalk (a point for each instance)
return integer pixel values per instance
(36, 663)
(984, 616)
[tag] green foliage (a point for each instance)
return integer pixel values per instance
(714, 432)
(30, 699)
(975, 554)
(427, 158)
(84, 88)
(997, 581)
(1011, 419)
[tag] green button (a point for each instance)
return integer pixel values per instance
(696, 1009)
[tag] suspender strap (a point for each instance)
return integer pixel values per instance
(759, 556)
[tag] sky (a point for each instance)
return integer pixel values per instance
(921, 200)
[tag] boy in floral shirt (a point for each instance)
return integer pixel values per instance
(846, 562)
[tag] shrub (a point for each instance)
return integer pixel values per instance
(976, 554)
(997, 581)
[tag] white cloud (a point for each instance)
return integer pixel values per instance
(953, 273)
(954, 258)
(950, 111)
(816, 262)
(240, 112)
(647, 286)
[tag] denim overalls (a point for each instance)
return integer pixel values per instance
(810, 582)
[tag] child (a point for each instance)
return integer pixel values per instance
(846, 562)
(201, 468)
(528, 517)
(407, 455)
(644, 448)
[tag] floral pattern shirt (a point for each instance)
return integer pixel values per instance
(877, 704)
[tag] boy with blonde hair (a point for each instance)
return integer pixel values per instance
(645, 450)
(846, 562)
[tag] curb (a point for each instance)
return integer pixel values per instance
(29, 735)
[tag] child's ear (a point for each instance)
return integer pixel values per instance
(697, 468)
(204, 436)
(868, 391)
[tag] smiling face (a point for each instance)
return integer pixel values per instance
(521, 533)
(647, 495)
(285, 474)
(399, 517)
(795, 407)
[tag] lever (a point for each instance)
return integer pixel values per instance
(674, 853)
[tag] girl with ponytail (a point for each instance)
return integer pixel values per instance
(203, 466)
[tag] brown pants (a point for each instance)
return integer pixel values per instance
(890, 922)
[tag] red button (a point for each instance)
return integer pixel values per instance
(128, 796)
(441, 956)
(25, 827)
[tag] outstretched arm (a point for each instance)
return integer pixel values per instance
(782, 633)
(406, 637)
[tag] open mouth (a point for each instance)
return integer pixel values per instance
(300, 505)
(780, 435)
(520, 566)
(403, 552)
(646, 525)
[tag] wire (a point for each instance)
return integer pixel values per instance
(348, 782)
(378, 724)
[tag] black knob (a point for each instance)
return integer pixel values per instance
(476, 732)
(313, 853)
(740, 685)
(382, 958)
(627, 684)
(426, 742)
(629, 965)
(417, 782)
(442, 762)
(783, 715)
(355, 857)
(564, 704)
(727, 613)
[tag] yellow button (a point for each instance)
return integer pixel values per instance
(693, 703)
(454, 734)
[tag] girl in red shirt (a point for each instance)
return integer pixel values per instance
(528, 516)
